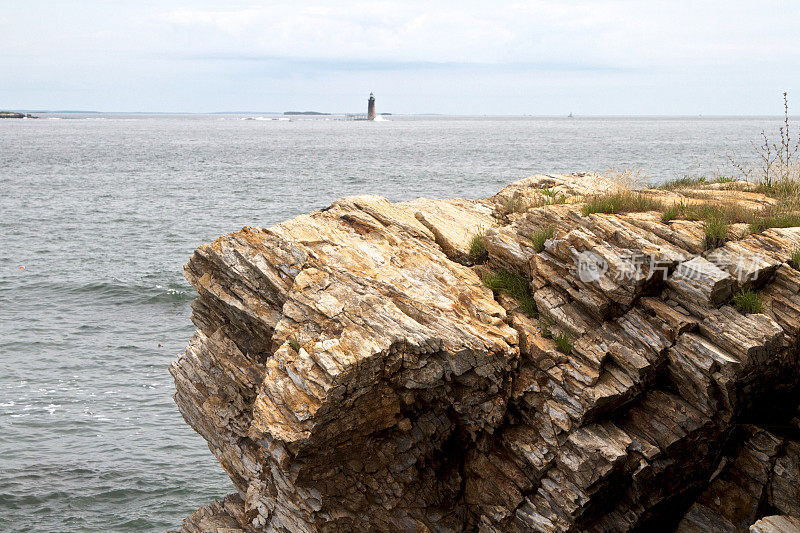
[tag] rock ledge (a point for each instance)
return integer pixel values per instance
(352, 372)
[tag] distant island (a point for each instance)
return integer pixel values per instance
(14, 114)
(304, 113)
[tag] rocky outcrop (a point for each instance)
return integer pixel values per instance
(351, 370)
(13, 114)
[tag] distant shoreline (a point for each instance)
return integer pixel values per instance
(15, 114)
(295, 113)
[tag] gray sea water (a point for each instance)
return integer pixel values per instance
(102, 211)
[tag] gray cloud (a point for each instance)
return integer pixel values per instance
(605, 56)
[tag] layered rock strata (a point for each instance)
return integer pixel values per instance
(352, 372)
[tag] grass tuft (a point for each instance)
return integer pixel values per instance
(555, 197)
(294, 344)
(670, 213)
(685, 182)
(540, 236)
(795, 259)
(477, 249)
(785, 190)
(513, 204)
(716, 230)
(747, 301)
(717, 214)
(777, 220)
(730, 212)
(517, 203)
(620, 202)
(513, 285)
(563, 343)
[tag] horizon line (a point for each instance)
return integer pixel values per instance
(331, 113)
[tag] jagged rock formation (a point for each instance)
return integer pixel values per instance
(351, 371)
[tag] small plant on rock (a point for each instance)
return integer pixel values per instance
(294, 344)
(512, 204)
(777, 220)
(685, 182)
(477, 248)
(620, 202)
(778, 167)
(555, 197)
(747, 301)
(670, 213)
(716, 230)
(563, 343)
(540, 236)
(795, 260)
(513, 285)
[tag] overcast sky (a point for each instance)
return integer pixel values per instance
(529, 57)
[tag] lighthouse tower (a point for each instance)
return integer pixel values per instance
(371, 107)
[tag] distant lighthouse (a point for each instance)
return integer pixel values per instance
(371, 107)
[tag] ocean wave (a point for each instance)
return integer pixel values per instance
(122, 291)
(74, 496)
(268, 119)
(138, 292)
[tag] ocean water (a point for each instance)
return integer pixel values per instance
(98, 213)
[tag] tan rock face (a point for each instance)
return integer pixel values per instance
(777, 524)
(351, 373)
(453, 223)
